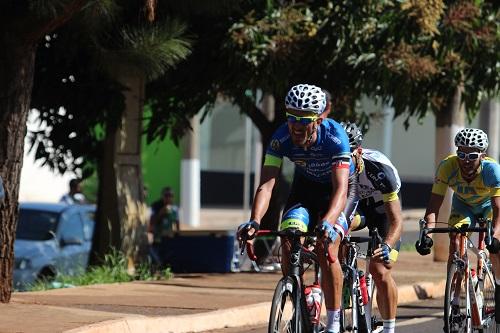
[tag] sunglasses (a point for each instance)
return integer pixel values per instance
(303, 120)
(469, 156)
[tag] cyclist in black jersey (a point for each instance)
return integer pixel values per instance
(320, 150)
(378, 191)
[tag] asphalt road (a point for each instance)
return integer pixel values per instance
(419, 317)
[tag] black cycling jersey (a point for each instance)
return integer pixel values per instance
(378, 181)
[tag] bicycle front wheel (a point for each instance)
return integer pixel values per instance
(487, 288)
(456, 301)
(286, 310)
(352, 314)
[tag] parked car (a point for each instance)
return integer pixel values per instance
(51, 239)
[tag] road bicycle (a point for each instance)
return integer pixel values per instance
(289, 312)
(357, 293)
(469, 303)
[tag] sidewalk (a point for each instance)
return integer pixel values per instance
(188, 302)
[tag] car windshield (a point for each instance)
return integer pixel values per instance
(36, 224)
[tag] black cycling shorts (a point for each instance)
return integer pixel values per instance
(316, 198)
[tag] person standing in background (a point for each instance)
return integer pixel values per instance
(75, 195)
(164, 219)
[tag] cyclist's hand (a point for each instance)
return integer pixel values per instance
(247, 230)
(383, 253)
(423, 247)
(494, 247)
(327, 230)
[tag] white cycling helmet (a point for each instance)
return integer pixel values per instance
(354, 134)
(473, 138)
(306, 97)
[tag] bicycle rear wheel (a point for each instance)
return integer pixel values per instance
(286, 310)
(456, 315)
(488, 291)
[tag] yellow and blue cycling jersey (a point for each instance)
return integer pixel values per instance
(476, 193)
(331, 150)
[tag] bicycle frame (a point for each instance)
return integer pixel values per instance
(460, 260)
(350, 269)
(293, 279)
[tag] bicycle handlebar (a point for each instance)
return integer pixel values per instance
(463, 229)
(373, 240)
(287, 233)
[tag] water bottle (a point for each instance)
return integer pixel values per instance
(313, 300)
(474, 278)
(362, 287)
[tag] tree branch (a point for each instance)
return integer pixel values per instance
(67, 13)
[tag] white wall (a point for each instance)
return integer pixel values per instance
(39, 183)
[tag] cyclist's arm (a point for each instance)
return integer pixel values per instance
(495, 205)
(268, 178)
(340, 180)
(393, 212)
(432, 211)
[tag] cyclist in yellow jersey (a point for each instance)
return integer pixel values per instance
(475, 181)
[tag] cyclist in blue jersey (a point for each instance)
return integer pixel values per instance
(323, 188)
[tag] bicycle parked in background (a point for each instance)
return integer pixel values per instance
(296, 307)
(469, 304)
(358, 290)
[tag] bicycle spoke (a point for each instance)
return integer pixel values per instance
(283, 311)
(457, 320)
(488, 293)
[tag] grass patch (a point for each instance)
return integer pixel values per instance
(113, 270)
(407, 247)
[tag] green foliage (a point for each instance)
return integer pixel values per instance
(113, 270)
(76, 86)
(412, 54)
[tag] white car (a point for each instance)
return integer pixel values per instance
(51, 239)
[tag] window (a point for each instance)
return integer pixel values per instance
(36, 224)
(71, 226)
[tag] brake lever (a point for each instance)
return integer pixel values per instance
(489, 234)
(423, 230)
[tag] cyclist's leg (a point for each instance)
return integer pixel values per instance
(296, 217)
(333, 277)
(495, 262)
(460, 214)
(387, 291)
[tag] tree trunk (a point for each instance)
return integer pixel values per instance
(448, 122)
(121, 217)
(107, 234)
(16, 81)
(130, 187)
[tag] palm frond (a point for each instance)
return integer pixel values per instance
(152, 49)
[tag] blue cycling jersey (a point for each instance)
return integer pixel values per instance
(331, 150)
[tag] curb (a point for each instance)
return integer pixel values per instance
(233, 317)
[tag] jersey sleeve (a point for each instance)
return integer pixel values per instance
(274, 151)
(384, 177)
(492, 177)
(441, 179)
(342, 157)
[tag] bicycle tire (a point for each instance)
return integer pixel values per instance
(286, 310)
(457, 317)
(487, 286)
(352, 317)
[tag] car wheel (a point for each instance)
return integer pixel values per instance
(47, 274)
